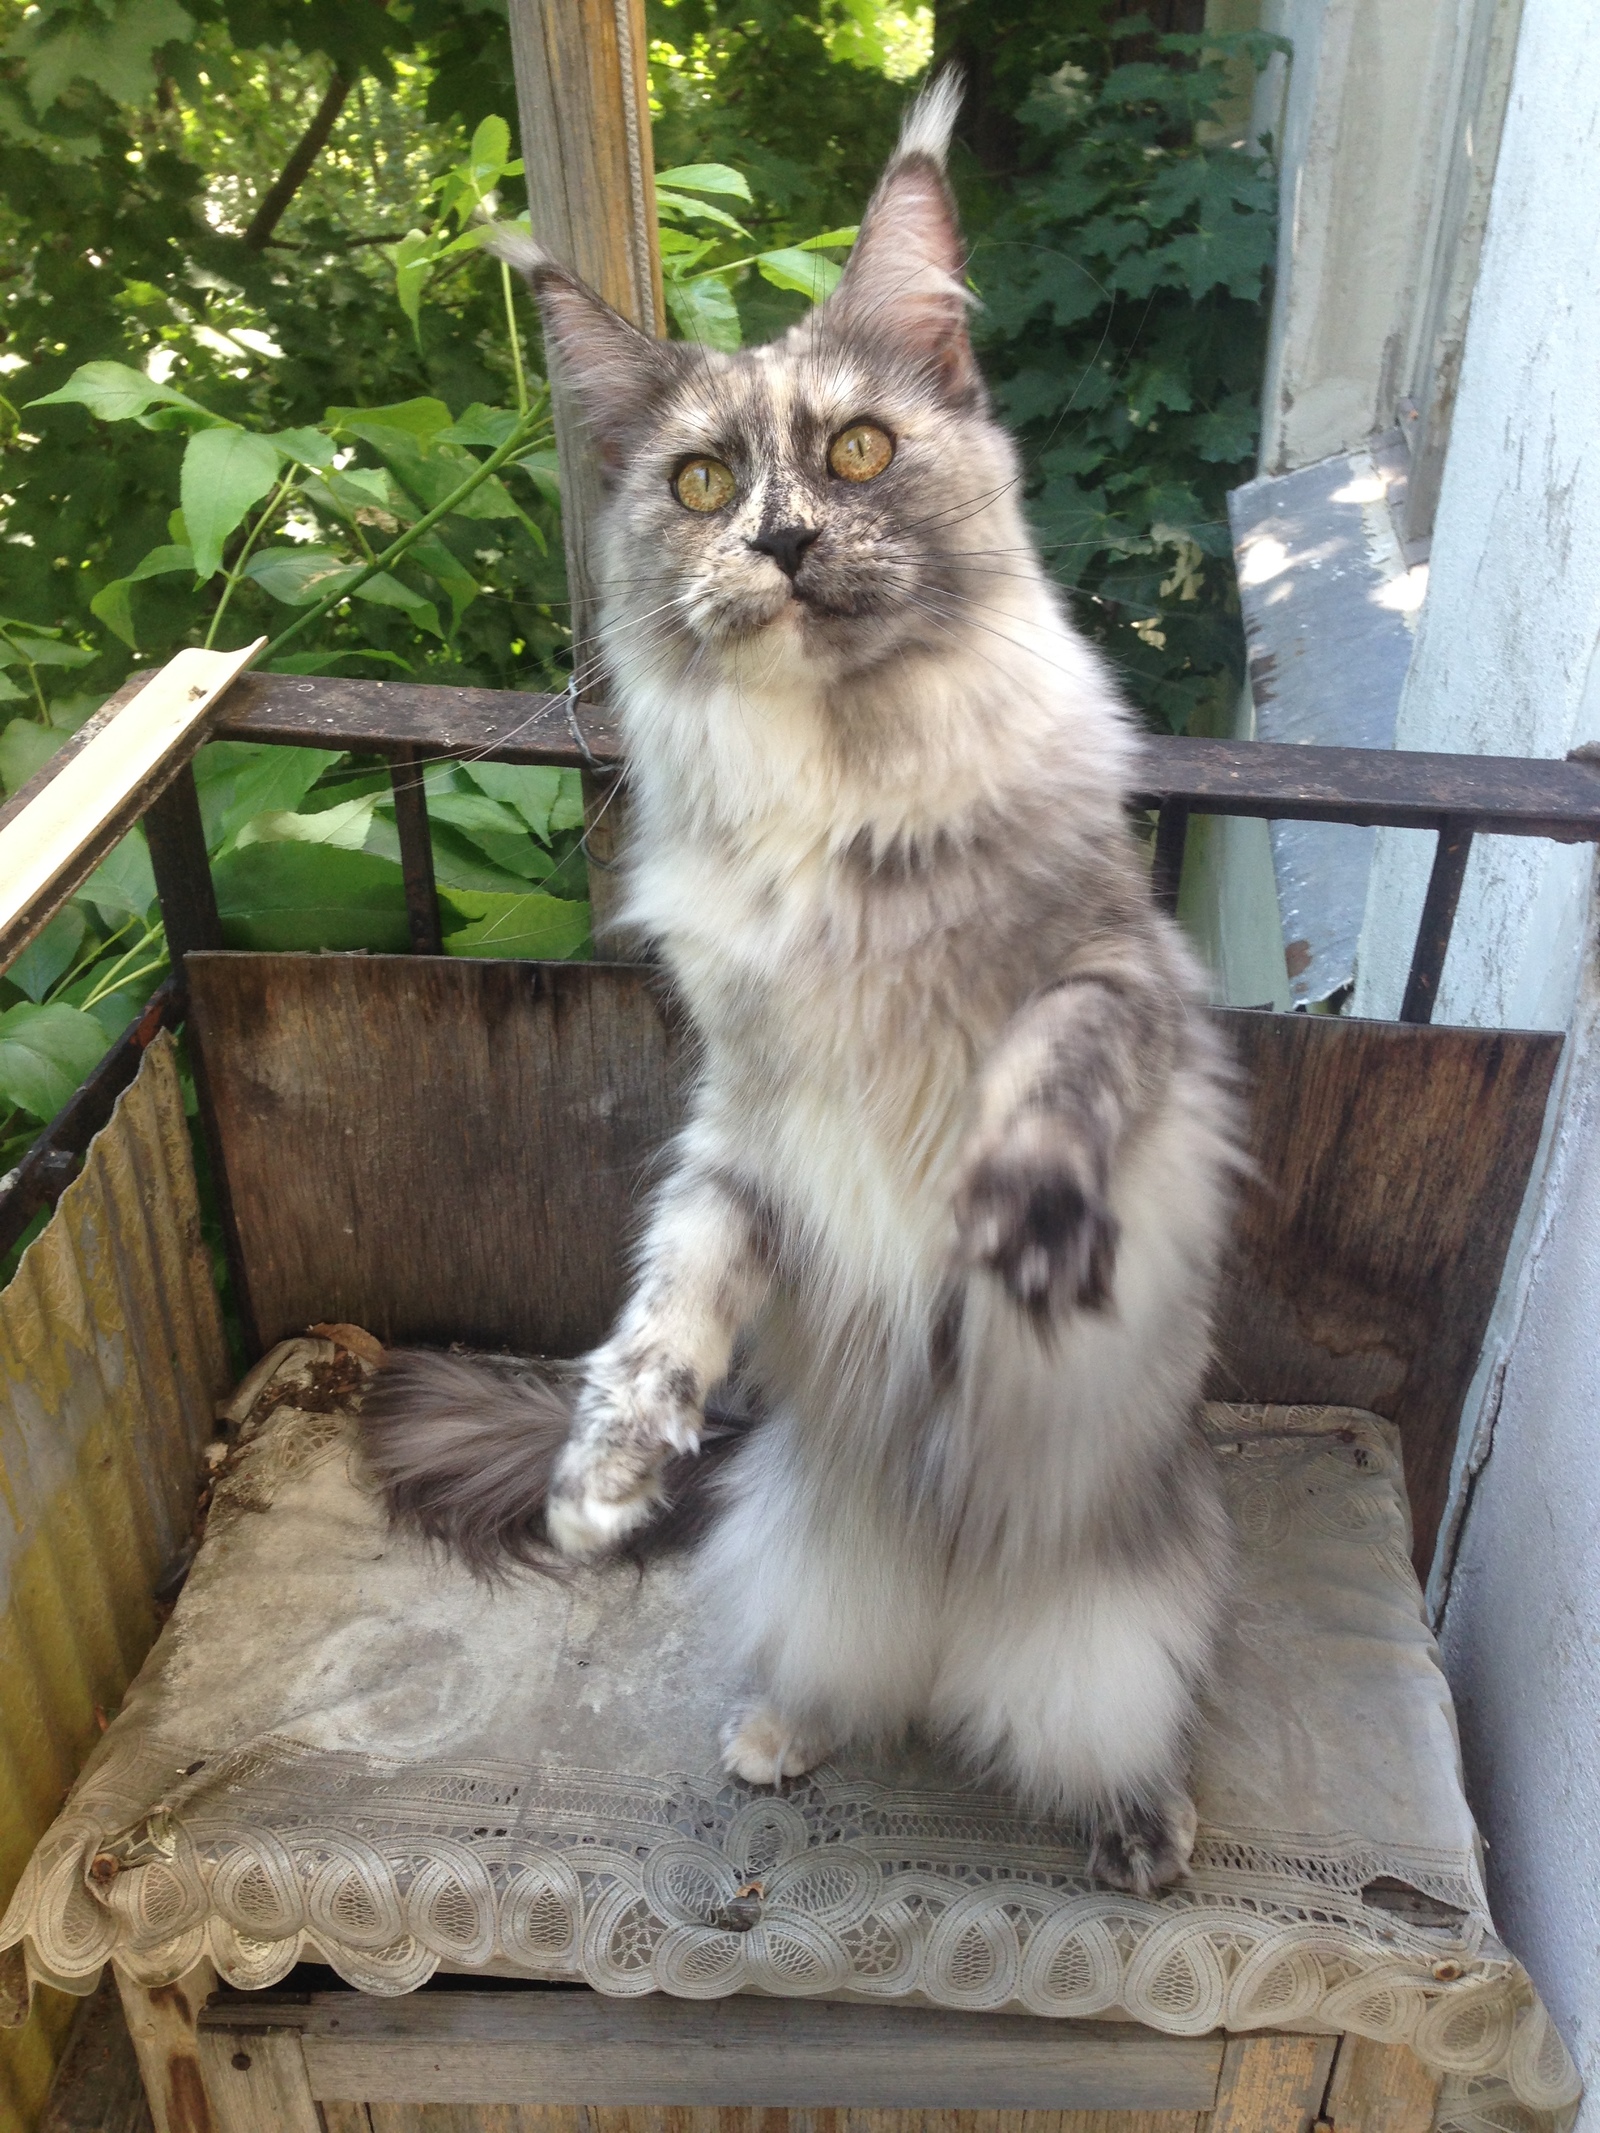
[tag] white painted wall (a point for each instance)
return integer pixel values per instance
(1357, 128)
(1508, 662)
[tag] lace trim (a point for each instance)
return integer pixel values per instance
(637, 1887)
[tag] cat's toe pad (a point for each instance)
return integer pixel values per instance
(764, 1749)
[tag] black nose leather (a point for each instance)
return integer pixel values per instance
(786, 545)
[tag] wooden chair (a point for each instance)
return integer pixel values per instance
(1363, 1274)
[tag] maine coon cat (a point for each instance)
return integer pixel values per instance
(954, 1181)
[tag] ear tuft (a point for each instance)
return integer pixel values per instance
(614, 372)
(927, 126)
(904, 283)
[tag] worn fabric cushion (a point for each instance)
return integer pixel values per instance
(344, 1748)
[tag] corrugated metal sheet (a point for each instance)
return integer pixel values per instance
(111, 1358)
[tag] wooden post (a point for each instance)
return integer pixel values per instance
(584, 111)
(162, 2023)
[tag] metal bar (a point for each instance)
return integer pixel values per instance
(416, 851)
(56, 1157)
(182, 869)
(1382, 787)
(1438, 916)
(1166, 867)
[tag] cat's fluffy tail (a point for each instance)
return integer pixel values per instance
(462, 1448)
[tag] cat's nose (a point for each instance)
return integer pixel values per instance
(786, 545)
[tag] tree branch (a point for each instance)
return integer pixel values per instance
(295, 172)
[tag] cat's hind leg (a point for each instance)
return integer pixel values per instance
(1079, 1695)
(825, 1606)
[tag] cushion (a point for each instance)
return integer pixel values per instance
(345, 1749)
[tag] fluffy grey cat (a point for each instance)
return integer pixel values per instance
(955, 1177)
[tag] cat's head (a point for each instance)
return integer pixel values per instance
(833, 498)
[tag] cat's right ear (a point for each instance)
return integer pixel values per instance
(615, 373)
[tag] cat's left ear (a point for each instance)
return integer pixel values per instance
(615, 373)
(904, 283)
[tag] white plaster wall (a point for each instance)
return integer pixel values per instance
(1358, 138)
(1508, 661)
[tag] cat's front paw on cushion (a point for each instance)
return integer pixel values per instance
(1033, 1218)
(628, 1422)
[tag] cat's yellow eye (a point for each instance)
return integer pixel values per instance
(704, 485)
(861, 452)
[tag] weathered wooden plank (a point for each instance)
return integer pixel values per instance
(1272, 2084)
(675, 2118)
(97, 2088)
(161, 2022)
(436, 1148)
(64, 821)
(257, 2083)
(565, 2047)
(457, 1150)
(1390, 1164)
(1380, 2088)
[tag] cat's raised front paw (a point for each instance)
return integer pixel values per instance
(1027, 1212)
(764, 1749)
(630, 1419)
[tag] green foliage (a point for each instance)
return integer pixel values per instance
(1123, 329)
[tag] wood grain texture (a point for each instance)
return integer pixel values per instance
(161, 2022)
(257, 2083)
(448, 1149)
(583, 2049)
(63, 822)
(436, 1148)
(668, 2118)
(97, 2088)
(1380, 2088)
(1272, 2084)
(1390, 1165)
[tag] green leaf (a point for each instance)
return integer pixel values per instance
(116, 55)
(415, 418)
(346, 825)
(808, 272)
(567, 813)
(123, 884)
(319, 662)
(704, 311)
(830, 239)
(497, 830)
(239, 780)
(44, 1053)
(32, 644)
(308, 448)
(414, 258)
(49, 953)
(115, 393)
(548, 927)
(385, 591)
(277, 897)
(224, 473)
(25, 747)
(10, 693)
(489, 154)
(676, 203)
(486, 427)
(707, 178)
(297, 575)
(460, 586)
(532, 790)
(113, 603)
